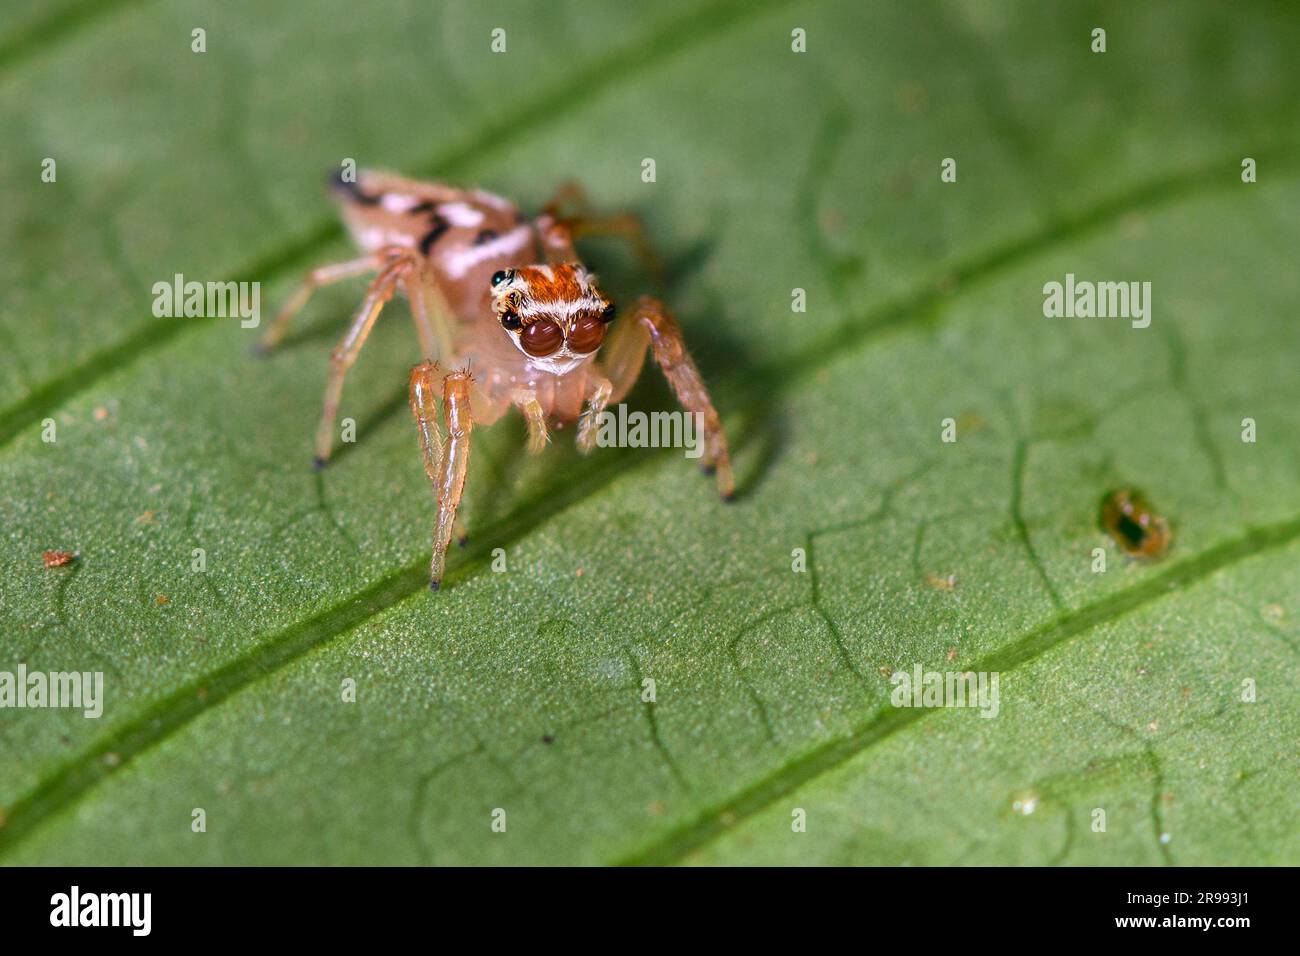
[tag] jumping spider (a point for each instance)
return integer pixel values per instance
(490, 287)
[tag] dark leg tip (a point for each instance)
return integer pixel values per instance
(729, 497)
(318, 462)
(708, 469)
(463, 540)
(434, 586)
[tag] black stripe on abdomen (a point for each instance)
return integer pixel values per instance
(351, 190)
(440, 226)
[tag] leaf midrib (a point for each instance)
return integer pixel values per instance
(712, 823)
(43, 33)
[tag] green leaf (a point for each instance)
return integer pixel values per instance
(523, 690)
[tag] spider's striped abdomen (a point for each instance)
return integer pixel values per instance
(466, 234)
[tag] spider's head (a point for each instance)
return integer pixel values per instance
(554, 314)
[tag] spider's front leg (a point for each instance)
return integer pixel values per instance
(445, 462)
(652, 324)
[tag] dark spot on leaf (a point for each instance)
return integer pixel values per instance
(1135, 526)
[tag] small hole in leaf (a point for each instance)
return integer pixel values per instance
(1139, 530)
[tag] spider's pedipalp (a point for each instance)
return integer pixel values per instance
(538, 435)
(600, 390)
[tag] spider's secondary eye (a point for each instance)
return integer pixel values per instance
(541, 338)
(510, 321)
(587, 334)
(608, 313)
(500, 277)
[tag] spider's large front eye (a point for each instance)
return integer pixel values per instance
(587, 334)
(541, 338)
(500, 277)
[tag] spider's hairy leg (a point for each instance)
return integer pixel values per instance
(600, 389)
(559, 232)
(569, 192)
(526, 401)
(444, 461)
(316, 279)
(345, 353)
(652, 324)
(424, 406)
(431, 313)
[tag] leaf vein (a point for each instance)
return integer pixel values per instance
(716, 821)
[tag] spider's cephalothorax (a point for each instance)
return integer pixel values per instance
(507, 294)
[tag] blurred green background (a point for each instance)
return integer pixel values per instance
(522, 690)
